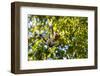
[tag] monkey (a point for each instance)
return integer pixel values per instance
(56, 36)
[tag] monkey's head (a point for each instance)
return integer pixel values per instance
(56, 36)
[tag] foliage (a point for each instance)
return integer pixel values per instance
(57, 37)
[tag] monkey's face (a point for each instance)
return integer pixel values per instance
(56, 36)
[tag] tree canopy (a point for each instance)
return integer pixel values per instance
(57, 37)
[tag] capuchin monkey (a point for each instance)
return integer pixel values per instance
(55, 36)
(52, 38)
